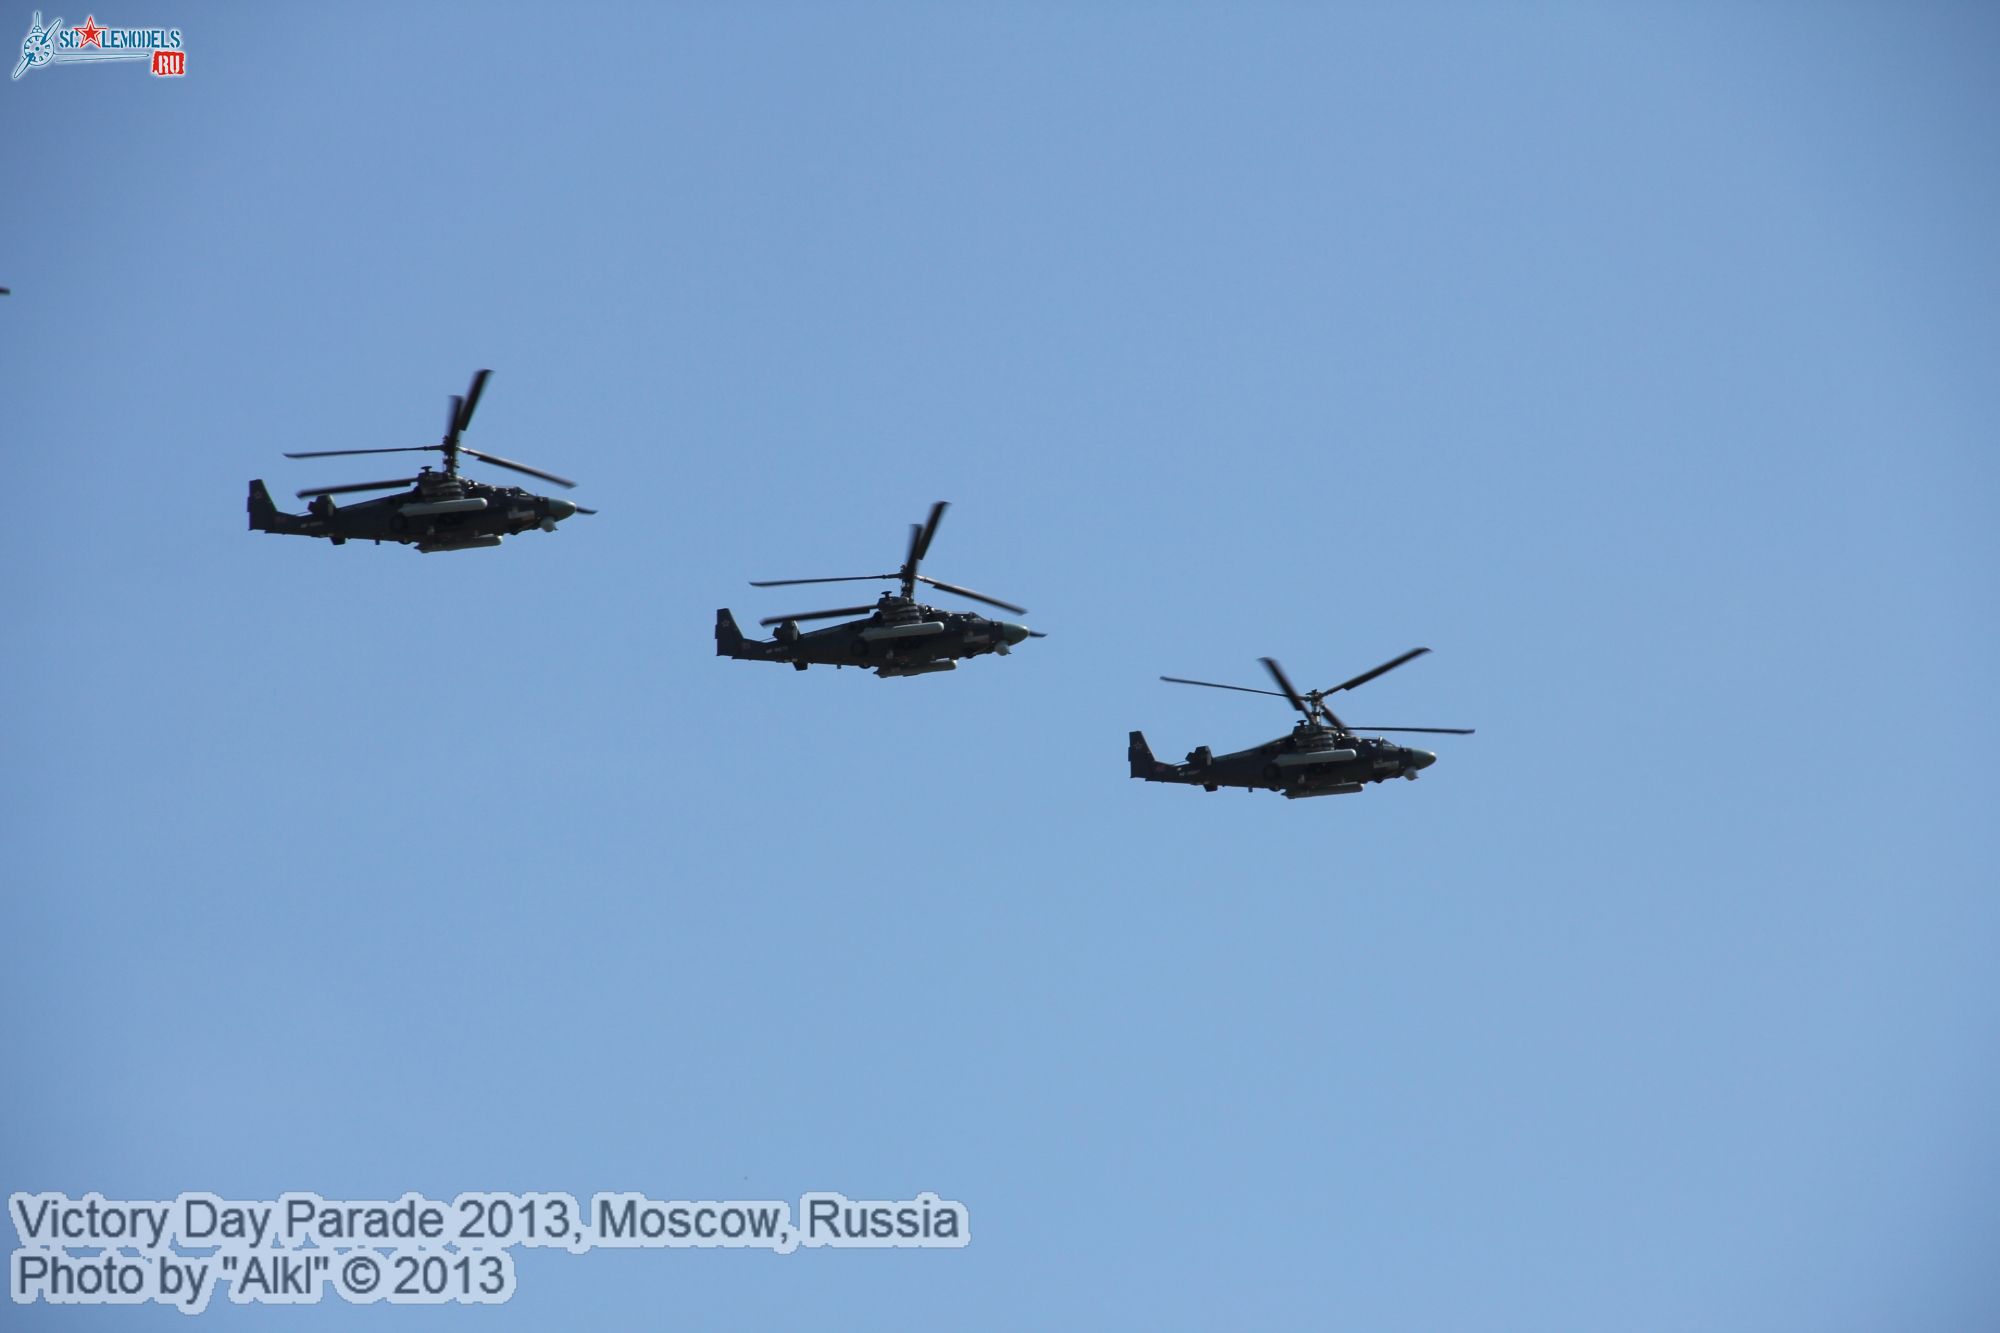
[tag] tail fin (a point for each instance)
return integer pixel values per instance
(1141, 755)
(264, 515)
(728, 638)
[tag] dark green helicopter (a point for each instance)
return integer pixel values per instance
(442, 512)
(900, 637)
(1322, 757)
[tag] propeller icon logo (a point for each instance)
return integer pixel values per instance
(38, 48)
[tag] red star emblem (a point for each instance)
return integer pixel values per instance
(89, 32)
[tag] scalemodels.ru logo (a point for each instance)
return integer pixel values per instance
(54, 44)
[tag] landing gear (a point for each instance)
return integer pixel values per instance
(798, 666)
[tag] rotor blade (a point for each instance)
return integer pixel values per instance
(581, 510)
(451, 416)
(471, 400)
(920, 546)
(1435, 731)
(518, 467)
(975, 596)
(818, 615)
(1037, 634)
(334, 453)
(357, 486)
(1278, 674)
(1183, 680)
(844, 578)
(1367, 676)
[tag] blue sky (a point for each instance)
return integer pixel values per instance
(1638, 360)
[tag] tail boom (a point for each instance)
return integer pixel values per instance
(1144, 765)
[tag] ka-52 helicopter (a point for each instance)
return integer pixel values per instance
(900, 637)
(1322, 757)
(443, 511)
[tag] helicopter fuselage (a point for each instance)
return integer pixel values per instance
(450, 514)
(911, 640)
(1311, 761)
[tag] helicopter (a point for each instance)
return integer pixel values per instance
(900, 637)
(1321, 757)
(442, 512)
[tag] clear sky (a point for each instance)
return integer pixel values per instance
(1639, 360)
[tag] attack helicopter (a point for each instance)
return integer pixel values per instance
(1322, 756)
(900, 636)
(442, 512)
